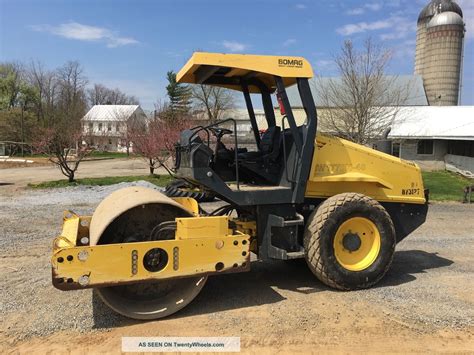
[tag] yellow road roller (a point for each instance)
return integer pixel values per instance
(299, 194)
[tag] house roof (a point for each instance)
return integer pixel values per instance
(434, 122)
(412, 85)
(110, 112)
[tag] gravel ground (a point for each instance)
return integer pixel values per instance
(428, 289)
(33, 220)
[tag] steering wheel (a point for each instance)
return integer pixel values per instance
(219, 132)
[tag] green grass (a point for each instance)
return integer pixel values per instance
(94, 154)
(445, 186)
(158, 180)
(97, 154)
(28, 156)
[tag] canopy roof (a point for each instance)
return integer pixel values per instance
(230, 70)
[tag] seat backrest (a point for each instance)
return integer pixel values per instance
(270, 140)
(186, 135)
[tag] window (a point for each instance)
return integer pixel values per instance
(396, 149)
(100, 127)
(91, 126)
(109, 127)
(425, 147)
(463, 148)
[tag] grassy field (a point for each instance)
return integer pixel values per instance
(158, 180)
(445, 186)
(94, 154)
(97, 154)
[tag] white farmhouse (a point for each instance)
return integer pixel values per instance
(106, 127)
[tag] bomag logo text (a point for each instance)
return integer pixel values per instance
(293, 63)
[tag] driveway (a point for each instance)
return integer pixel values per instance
(20, 177)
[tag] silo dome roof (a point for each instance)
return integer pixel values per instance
(439, 6)
(446, 18)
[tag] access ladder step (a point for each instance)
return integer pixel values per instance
(295, 255)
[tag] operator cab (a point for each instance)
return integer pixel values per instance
(283, 154)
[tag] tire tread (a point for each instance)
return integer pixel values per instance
(312, 236)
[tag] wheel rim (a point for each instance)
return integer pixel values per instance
(357, 244)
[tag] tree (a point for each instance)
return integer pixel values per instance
(61, 104)
(16, 98)
(357, 104)
(72, 99)
(156, 143)
(45, 86)
(102, 95)
(98, 95)
(127, 126)
(62, 145)
(179, 96)
(11, 78)
(213, 100)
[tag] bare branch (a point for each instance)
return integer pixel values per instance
(356, 104)
(213, 100)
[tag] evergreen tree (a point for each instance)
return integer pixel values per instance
(179, 96)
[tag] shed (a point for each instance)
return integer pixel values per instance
(435, 135)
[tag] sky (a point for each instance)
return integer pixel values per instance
(132, 44)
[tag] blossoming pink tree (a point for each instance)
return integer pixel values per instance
(156, 142)
(63, 147)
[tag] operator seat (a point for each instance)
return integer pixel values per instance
(269, 147)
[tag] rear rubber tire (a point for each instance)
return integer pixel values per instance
(320, 232)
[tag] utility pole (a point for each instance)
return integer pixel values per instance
(22, 131)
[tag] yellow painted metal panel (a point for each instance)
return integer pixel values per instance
(289, 68)
(70, 231)
(246, 227)
(74, 228)
(354, 177)
(114, 263)
(188, 203)
(202, 227)
(341, 166)
(203, 245)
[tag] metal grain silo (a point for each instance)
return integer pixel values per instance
(435, 39)
(443, 59)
